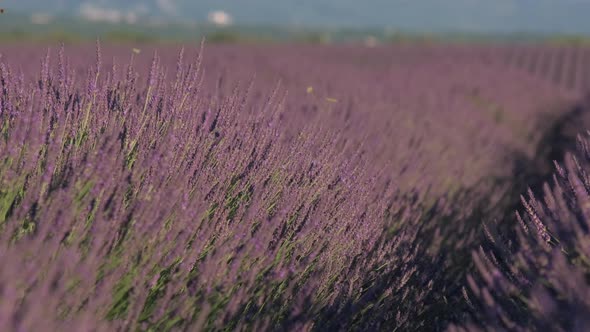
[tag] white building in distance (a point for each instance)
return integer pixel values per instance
(220, 18)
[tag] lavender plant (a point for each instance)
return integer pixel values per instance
(159, 208)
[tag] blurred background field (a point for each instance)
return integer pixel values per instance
(321, 22)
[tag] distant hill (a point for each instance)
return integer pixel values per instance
(539, 16)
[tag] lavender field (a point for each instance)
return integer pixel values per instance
(294, 188)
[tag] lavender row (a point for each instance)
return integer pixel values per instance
(565, 66)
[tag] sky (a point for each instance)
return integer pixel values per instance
(544, 16)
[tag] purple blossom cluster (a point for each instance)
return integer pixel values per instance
(279, 188)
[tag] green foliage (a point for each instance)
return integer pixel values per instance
(10, 196)
(223, 36)
(122, 291)
(157, 291)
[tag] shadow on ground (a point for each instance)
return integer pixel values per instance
(433, 297)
